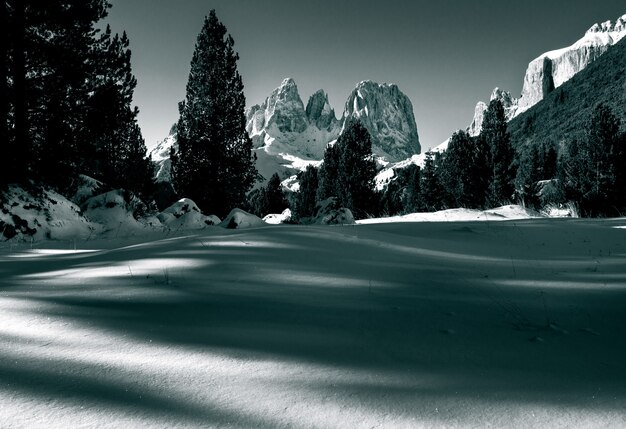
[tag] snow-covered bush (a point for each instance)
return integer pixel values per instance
(330, 212)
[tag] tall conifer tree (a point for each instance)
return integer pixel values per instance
(214, 165)
(501, 153)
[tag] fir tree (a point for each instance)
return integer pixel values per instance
(501, 154)
(276, 200)
(592, 169)
(65, 85)
(117, 152)
(306, 195)
(214, 165)
(329, 174)
(430, 188)
(357, 169)
(412, 201)
(462, 171)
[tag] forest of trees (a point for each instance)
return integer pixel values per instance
(67, 90)
(486, 171)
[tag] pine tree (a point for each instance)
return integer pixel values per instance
(357, 169)
(5, 146)
(117, 151)
(214, 165)
(592, 169)
(502, 174)
(462, 171)
(276, 200)
(329, 174)
(430, 188)
(412, 201)
(305, 197)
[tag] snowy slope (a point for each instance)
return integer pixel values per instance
(386, 174)
(507, 324)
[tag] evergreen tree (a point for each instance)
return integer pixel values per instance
(534, 162)
(391, 200)
(117, 152)
(412, 201)
(502, 172)
(329, 174)
(305, 197)
(214, 165)
(430, 188)
(529, 172)
(68, 95)
(592, 170)
(276, 200)
(4, 94)
(462, 171)
(357, 169)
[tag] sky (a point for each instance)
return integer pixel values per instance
(445, 55)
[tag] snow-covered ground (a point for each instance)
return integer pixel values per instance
(441, 324)
(510, 212)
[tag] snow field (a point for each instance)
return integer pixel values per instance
(442, 324)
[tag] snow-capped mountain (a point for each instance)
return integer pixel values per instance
(551, 69)
(281, 126)
(160, 156)
(287, 136)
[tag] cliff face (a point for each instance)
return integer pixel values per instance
(387, 113)
(552, 69)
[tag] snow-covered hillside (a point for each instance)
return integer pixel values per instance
(477, 324)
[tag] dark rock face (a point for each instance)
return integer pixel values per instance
(387, 113)
(319, 112)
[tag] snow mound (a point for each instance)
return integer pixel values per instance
(509, 212)
(41, 214)
(119, 213)
(238, 219)
(87, 187)
(185, 214)
(276, 219)
(514, 211)
(330, 212)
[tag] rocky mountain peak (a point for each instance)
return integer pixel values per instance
(319, 112)
(609, 26)
(387, 113)
(283, 109)
(551, 69)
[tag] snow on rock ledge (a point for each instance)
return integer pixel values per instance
(276, 219)
(44, 214)
(185, 214)
(329, 212)
(238, 219)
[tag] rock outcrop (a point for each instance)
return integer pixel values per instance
(508, 102)
(319, 112)
(387, 113)
(550, 70)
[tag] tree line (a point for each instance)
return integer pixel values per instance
(67, 89)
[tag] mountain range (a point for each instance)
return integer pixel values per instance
(287, 135)
(545, 75)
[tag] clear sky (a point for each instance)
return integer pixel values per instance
(444, 54)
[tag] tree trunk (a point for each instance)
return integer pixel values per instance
(21, 145)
